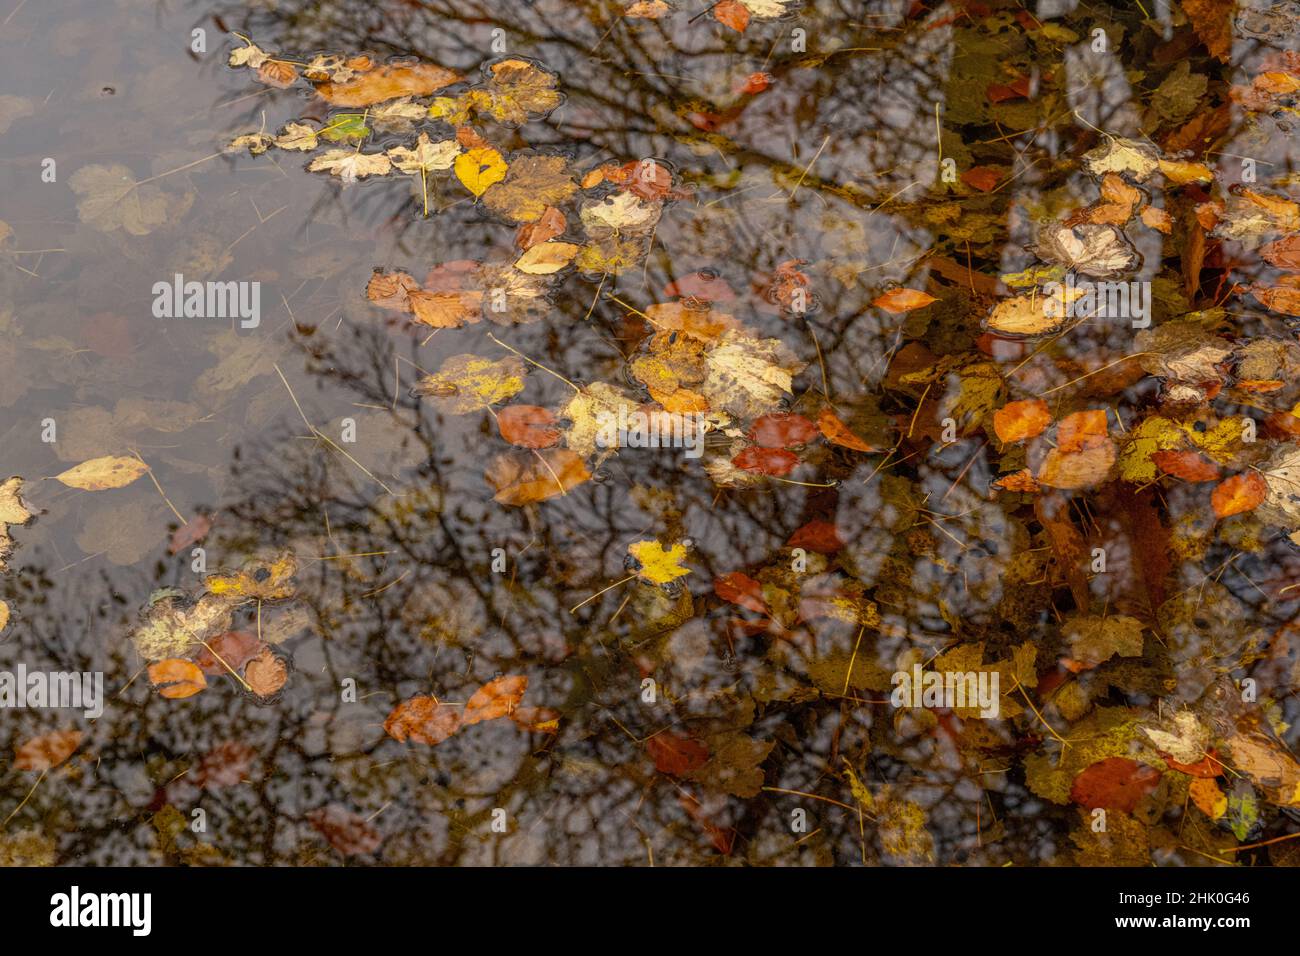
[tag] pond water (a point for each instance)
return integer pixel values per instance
(796, 231)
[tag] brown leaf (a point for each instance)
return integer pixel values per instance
(349, 833)
(266, 673)
(1278, 298)
(177, 679)
(1022, 481)
(1115, 783)
(528, 426)
(817, 535)
(983, 178)
(47, 751)
(1212, 21)
(423, 720)
(391, 290)
(236, 648)
(766, 461)
(1284, 253)
(192, 532)
(782, 430)
(1238, 494)
(541, 720)
(447, 310)
(675, 754)
(277, 73)
(388, 83)
(496, 698)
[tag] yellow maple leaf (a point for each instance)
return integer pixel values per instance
(659, 565)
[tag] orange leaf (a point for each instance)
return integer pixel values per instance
(1022, 480)
(277, 73)
(388, 83)
(1187, 465)
(266, 673)
(551, 224)
(838, 433)
(542, 720)
(47, 751)
(177, 679)
(1081, 430)
(1017, 421)
(1283, 254)
(1278, 298)
(898, 301)
(731, 13)
(423, 720)
(1238, 494)
(496, 698)
(521, 479)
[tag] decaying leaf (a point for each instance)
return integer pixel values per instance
(496, 698)
(177, 679)
(388, 83)
(521, 479)
(349, 165)
(47, 751)
(468, 383)
(100, 474)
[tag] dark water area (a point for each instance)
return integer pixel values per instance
(806, 232)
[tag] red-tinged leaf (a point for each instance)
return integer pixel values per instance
(1208, 766)
(423, 720)
(782, 430)
(675, 754)
(551, 224)
(46, 751)
(742, 590)
(225, 765)
(817, 535)
(236, 648)
(983, 178)
(349, 833)
(496, 698)
(898, 301)
(766, 461)
(1283, 254)
(1238, 494)
(1187, 465)
(731, 13)
(528, 426)
(705, 286)
(838, 433)
(1115, 783)
(1017, 421)
(177, 679)
(754, 83)
(1017, 89)
(191, 532)
(723, 838)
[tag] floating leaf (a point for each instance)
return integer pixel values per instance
(177, 679)
(496, 698)
(47, 751)
(350, 166)
(658, 564)
(422, 720)
(838, 433)
(468, 383)
(426, 157)
(528, 426)
(479, 168)
(1238, 494)
(100, 474)
(524, 479)
(899, 301)
(546, 258)
(388, 83)
(1017, 421)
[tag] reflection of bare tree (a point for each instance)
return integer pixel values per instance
(399, 589)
